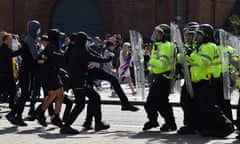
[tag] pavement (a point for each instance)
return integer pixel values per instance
(117, 134)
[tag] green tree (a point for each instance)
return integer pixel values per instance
(235, 21)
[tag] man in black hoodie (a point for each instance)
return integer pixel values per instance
(30, 60)
(7, 81)
(79, 57)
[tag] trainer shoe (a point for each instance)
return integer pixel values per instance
(101, 126)
(168, 127)
(149, 125)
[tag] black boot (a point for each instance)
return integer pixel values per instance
(56, 120)
(11, 118)
(87, 126)
(40, 116)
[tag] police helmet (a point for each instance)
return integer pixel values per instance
(164, 29)
(207, 31)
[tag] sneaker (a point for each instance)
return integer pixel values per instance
(56, 121)
(129, 108)
(68, 130)
(186, 130)
(11, 118)
(87, 126)
(41, 120)
(20, 122)
(149, 125)
(101, 126)
(168, 127)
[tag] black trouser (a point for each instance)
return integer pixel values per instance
(8, 85)
(190, 111)
(26, 84)
(97, 73)
(157, 101)
(224, 105)
(212, 118)
(94, 102)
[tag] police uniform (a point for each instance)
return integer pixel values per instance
(205, 73)
(157, 100)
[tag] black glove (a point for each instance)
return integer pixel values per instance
(189, 51)
(178, 68)
(146, 71)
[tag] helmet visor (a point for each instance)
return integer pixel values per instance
(157, 34)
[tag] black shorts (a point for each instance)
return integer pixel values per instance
(51, 81)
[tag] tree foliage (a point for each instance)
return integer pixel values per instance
(235, 21)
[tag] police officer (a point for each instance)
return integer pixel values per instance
(205, 74)
(188, 103)
(160, 66)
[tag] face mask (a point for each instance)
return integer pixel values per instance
(14, 44)
(38, 31)
(87, 44)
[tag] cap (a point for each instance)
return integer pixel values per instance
(55, 32)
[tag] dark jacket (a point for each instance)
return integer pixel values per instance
(28, 64)
(79, 57)
(55, 57)
(6, 54)
(29, 50)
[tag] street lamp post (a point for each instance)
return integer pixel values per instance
(176, 16)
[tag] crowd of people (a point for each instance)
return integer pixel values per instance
(58, 63)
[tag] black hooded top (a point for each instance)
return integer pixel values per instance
(79, 57)
(29, 48)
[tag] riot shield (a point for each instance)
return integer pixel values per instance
(224, 42)
(228, 40)
(176, 39)
(138, 59)
(173, 84)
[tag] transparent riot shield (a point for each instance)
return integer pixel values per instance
(228, 40)
(173, 85)
(138, 59)
(176, 39)
(224, 42)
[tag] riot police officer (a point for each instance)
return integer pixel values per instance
(160, 67)
(188, 103)
(205, 74)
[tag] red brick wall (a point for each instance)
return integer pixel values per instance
(6, 21)
(118, 15)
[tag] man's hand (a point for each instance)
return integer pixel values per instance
(111, 54)
(40, 61)
(90, 66)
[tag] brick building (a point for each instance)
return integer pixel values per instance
(109, 16)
